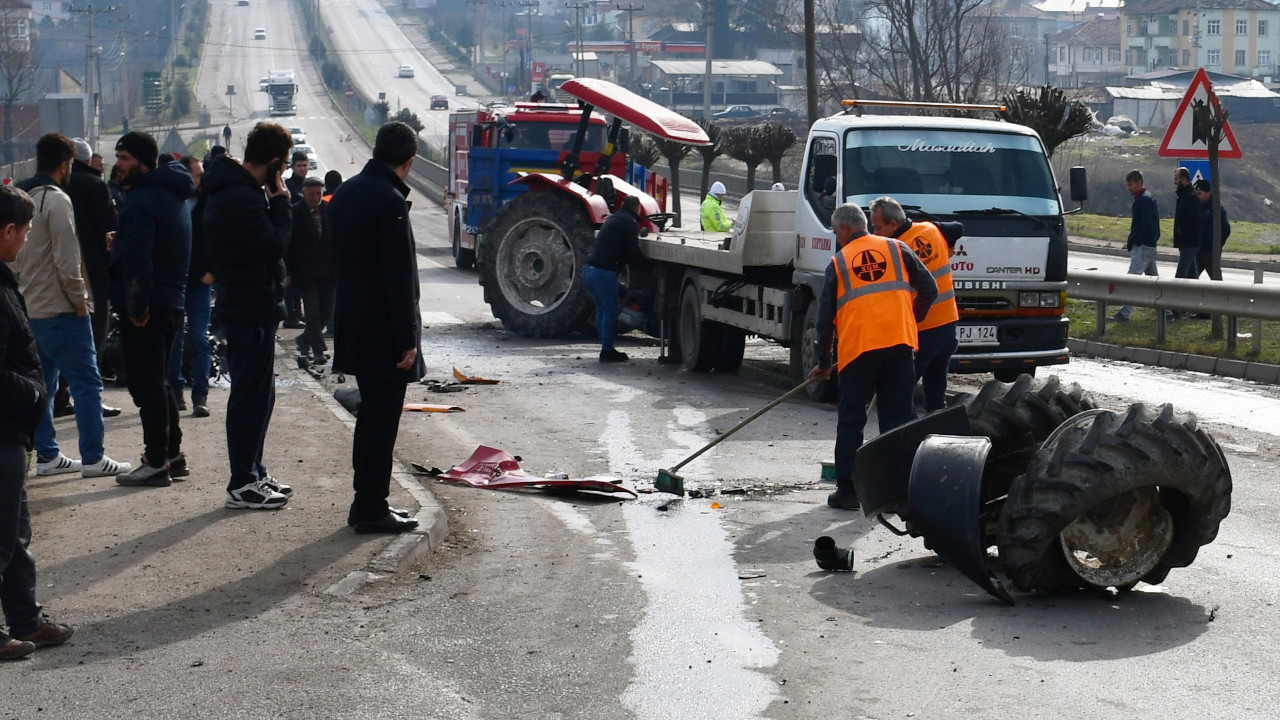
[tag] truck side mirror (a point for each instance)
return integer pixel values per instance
(1079, 184)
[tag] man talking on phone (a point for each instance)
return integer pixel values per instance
(248, 220)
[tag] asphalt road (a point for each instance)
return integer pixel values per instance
(546, 606)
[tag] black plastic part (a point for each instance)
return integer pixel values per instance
(882, 467)
(830, 557)
(945, 502)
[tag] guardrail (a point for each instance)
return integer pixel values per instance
(1232, 299)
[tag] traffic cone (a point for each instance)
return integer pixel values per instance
(353, 159)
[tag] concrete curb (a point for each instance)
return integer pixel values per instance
(1223, 367)
(433, 524)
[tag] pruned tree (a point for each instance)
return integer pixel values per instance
(741, 143)
(410, 118)
(18, 66)
(675, 153)
(775, 140)
(643, 150)
(710, 152)
(1048, 111)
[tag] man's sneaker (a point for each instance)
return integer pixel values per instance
(182, 404)
(276, 485)
(200, 410)
(255, 496)
(57, 466)
(146, 476)
(109, 411)
(612, 356)
(178, 466)
(106, 467)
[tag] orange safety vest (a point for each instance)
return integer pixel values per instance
(873, 299)
(926, 241)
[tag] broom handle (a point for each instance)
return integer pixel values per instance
(793, 391)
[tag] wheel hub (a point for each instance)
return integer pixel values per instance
(536, 267)
(1119, 541)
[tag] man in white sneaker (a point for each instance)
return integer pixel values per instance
(59, 306)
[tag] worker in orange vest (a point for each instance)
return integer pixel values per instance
(867, 300)
(932, 243)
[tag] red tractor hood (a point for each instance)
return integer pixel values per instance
(640, 112)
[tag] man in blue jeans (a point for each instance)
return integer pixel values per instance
(199, 294)
(617, 245)
(59, 306)
(1144, 233)
(23, 401)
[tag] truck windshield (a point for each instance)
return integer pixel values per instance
(554, 136)
(947, 171)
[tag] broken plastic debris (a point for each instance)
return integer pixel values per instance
(443, 387)
(428, 407)
(496, 470)
(465, 380)
(715, 506)
(424, 470)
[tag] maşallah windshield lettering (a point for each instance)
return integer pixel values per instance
(969, 147)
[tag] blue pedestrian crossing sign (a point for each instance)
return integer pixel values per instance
(1199, 169)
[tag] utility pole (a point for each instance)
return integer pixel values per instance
(502, 76)
(630, 9)
(706, 79)
(577, 21)
(90, 89)
(478, 36)
(124, 69)
(810, 62)
(527, 61)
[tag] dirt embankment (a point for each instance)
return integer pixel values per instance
(1251, 187)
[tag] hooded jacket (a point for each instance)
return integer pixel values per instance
(153, 243)
(48, 266)
(95, 217)
(246, 236)
(22, 393)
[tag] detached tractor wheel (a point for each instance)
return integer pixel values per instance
(803, 358)
(463, 258)
(1011, 374)
(1114, 498)
(532, 267)
(700, 340)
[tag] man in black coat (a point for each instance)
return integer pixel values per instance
(309, 261)
(95, 217)
(247, 232)
(378, 329)
(148, 272)
(1186, 224)
(22, 404)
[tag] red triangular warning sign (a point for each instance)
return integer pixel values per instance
(1183, 139)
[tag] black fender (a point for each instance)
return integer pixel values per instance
(882, 467)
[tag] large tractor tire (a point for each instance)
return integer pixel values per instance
(531, 267)
(804, 359)
(463, 258)
(1114, 498)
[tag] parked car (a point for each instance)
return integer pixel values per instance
(299, 136)
(312, 162)
(439, 102)
(736, 112)
(782, 114)
(406, 71)
(259, 33)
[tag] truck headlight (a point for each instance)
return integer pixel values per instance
(1032, 299)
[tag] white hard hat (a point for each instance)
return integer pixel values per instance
(778, 186)
(717, 189)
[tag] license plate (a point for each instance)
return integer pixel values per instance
(977, 335)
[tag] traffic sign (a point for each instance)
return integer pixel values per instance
(1183, 139)
(1199, 169)
(350, 92)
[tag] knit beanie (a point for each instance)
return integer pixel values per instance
(83, 151)
(141, 146)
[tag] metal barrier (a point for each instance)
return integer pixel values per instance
(1232, 299)
(433, 179)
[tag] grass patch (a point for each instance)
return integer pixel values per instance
(1186, 335)
(1246, 237)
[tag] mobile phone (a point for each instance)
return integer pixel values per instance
(273, 175)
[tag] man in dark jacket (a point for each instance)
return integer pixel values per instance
(1186, 224)
(95, 217)
(299, 164)
(310, 265)
(22, 404)
(248, 231)
(378, 329)
(1204, 254)
(149, 260)
(617, 245)
(199, 294)
(1144, 233)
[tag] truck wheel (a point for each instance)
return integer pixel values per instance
(463, 258)
(803, 359)
(532, 269)
(1114, 498)
(733, 345)
(699, 339)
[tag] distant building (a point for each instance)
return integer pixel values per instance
(1235, 37)
(55, 10)
(1088, 54)
(1026, 31)
(1151, 100)
(15, 23)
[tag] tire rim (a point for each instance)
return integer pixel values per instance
(1119, 541)
(536, 266)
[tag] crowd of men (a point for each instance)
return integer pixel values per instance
(174, 238)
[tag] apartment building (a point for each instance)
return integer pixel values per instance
(1235, 37)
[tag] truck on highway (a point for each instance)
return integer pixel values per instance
(281, 89)
(711, 290)
(490, 147)
(555, 85)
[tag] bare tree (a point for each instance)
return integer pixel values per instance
(674, 152)
(775, 139)
(643, 150)
(1048, 111)
(18, 66)
(742, 144)
(710, 152)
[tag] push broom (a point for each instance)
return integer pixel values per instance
(669, 481)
